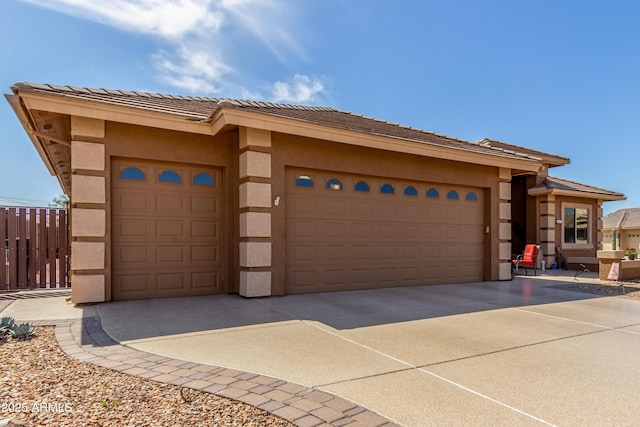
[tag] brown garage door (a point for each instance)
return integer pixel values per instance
(349, 232)
(166, 230)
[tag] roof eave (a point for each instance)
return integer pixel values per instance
(61, 104)
(22, 114)
(575, 193)
(238, 117)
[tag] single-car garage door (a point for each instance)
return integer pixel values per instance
(167, 231)
(353, 232)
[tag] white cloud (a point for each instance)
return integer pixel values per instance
(302, 89)
(171, 19)
(193, 37)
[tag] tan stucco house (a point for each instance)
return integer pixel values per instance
(626, 224)
(174, 195)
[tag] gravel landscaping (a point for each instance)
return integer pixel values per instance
(41, 385)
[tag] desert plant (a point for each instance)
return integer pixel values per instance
(6, 323)
(21, 331)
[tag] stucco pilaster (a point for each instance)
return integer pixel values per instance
(547, 221)
(88, 211)
(255, 212)
(504, 224)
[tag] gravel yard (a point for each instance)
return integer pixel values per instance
(43, 386)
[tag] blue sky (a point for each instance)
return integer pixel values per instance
(557, 76)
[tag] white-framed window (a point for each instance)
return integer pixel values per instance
(577, 222)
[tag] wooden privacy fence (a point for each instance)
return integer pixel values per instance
(34, 248)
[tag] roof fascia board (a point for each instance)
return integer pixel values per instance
(573, 193)
(14, 102)
(250, 119)
(122, 114)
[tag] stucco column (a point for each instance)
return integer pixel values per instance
(547, 229)
(504, 224)
(88, 211)
(255, 212)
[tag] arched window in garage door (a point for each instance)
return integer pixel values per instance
(304, 181)
(169, 176)
(204, 179)
(334, 184)
(132, 173)
(387, 189)
(432, 193)
(410, 191)
(362, 186)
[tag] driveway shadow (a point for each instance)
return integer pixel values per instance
(132, 320)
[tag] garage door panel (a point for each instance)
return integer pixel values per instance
(332, 230)
(204, 205)
(361, 276)
(376, 239)
(133, 202)
(205, 254)
(303, 253)
(205, 230)
(130, 228)
(333, 208)
(303, 206)
(132, 283)
(166, 230)
(333, 253)
(206, 281)
(170, 282)
(300, 229)
(334, 277)
(170, 254)
(170, 203)
(170, 228)
(360, 209)
(129, 255)
(360, 230)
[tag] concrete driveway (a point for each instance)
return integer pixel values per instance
(526, 352)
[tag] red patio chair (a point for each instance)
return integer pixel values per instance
(528, 260)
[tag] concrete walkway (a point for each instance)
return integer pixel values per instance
(526, 352)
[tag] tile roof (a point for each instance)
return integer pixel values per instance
(552, 183)
(622, 219)
(202, 109)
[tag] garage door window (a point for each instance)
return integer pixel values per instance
(471, 197)
(410, 191)
(453, 195)
(170, 176)
(304, 181)
(387, 189)
(362, 186)
(203, 179)
(132, 173)
(432, 192)
(334, 184)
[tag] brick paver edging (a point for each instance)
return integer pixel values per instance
(85, 340)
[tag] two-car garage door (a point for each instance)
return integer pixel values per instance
(166, 229)
(354, 232)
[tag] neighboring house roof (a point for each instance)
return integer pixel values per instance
(558, 186)
(622, 219)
